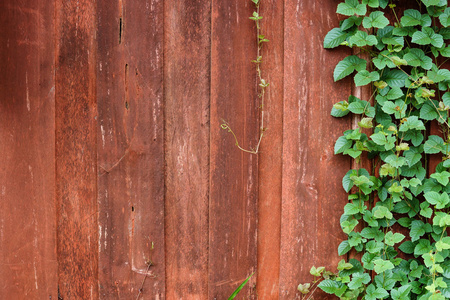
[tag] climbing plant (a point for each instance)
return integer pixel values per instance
(261, 82)
(397, 213)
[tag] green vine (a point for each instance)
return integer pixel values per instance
(262, 83)
(397, 213)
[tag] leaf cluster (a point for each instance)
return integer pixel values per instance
(397, 214)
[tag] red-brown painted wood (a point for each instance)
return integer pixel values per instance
(130, 149)
(270, 158)
(233, 176)
(76, 155)
(313, 197)
(186, 96)
(27, 108)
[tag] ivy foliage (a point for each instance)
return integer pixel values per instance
(397, 216)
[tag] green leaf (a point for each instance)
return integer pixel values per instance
(439, 75)
(445, 32)
(395, 161)
(340, 109)
(381, 212)
(372, 233)
(351, 209)
(405, 222)
(334, 38)
(402, 293)
(417, 230)
(443, 244)
(346, 66)
(430, 2)
(427, 36)
(383, 60)
(412, 123)
(439, 200)
(343, 248)
(445, 52)
(394, 78)
(349, 225)
(342, 144)
(442, 177)
(366, 123)
(394, 93)
(240, 287)
(379, 138)
(446, 98)
(361, 39)
(411, 17)
(342, 265)
(394, 41)
(389, 107)
(417, 58)
(351, 7)
(434, 144)
(382, 265)
(316, 271)
(387, 169)
(393, 238)
(328, 286)
(350, 22)
(373, 294)
(371, 3)
(358, 280)
(422, 247)
(407, 247)
(358, 106)
(428, 112)
(425, 210)
(376, 19)
(399, 61)
(445, 17)
(304, 288)
(347, 183)
(364, 77)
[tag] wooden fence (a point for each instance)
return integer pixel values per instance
(113, 156)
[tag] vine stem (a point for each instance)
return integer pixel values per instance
(262, 84)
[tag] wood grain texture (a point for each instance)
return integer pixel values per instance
(233, 176)
(130, 149)
(186, 96)
(27, 107)
(270, 158)
(313, 197)
(76, 153)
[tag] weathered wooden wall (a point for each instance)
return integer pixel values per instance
(113, 155)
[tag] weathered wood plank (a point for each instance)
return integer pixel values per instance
(76, 155)
(27, 178)
(270, 158)
(186, 96)
(313, 198)
(130, 149)
(233, 177)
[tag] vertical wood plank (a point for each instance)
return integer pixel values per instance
(27, 178)
(270, 158)
(76, 188)
(131, 149)
(233, 179)
(313, 197)
(187, 89)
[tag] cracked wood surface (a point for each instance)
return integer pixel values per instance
(130, 147)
